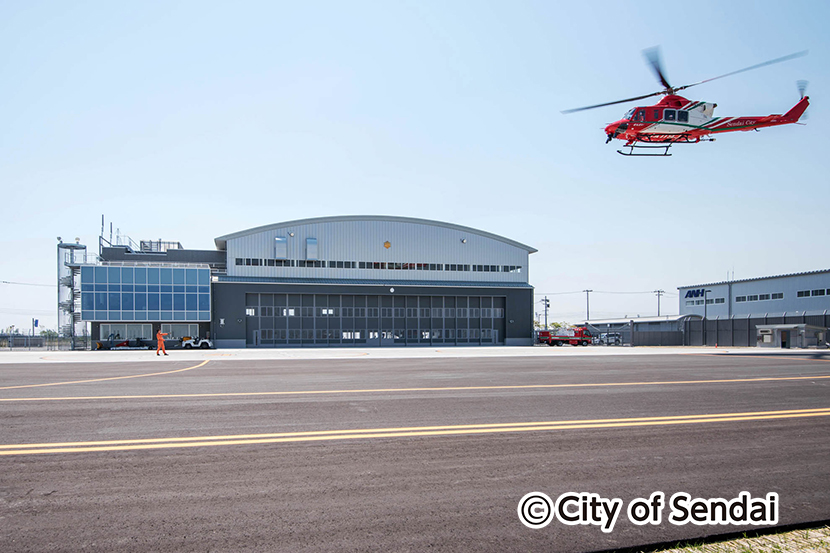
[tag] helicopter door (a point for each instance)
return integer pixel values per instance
(641, 115)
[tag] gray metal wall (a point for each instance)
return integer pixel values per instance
(740, 331)
(363, 240)
(788, 285)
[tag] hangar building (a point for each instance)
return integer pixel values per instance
(783, 311)
(330, 281)
(783, 294)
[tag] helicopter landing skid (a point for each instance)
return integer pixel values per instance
(631, 147)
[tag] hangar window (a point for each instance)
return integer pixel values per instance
(803, 294)
(280, 247)
(250, 311)
(690, 302)
(311, 248)
(720, 300)
(762, 297)
(740, 299)
(753, 297)
(240, 261)
(778, 296)
(818, 292)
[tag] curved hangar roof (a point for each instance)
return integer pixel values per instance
(221, 242)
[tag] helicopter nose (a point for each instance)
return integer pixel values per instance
(615, 129)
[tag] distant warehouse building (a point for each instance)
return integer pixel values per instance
(330, 281)
(733, 310)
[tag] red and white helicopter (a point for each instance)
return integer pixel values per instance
(676, 120)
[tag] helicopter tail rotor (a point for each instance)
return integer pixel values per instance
(802, 88)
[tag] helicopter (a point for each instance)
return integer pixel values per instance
(676, 120)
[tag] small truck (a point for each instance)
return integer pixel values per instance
(577, 336)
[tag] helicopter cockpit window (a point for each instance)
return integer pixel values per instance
(683, 116)
(629, 114)
(640, 115)
(669, 115)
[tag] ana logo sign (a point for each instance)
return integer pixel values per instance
(694, 293)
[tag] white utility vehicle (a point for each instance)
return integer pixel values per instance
(190, 343)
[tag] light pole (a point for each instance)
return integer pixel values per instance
(704, 315)
(587, 305)
(659, 293)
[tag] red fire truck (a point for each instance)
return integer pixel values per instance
(577, 336)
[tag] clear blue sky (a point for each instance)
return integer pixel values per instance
(189, 120)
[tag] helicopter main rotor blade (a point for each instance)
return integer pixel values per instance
(653, 57)
(615, 102)
(770, 62)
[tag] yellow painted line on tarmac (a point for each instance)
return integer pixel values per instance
(398, 390)
(103, 379)
(369, 433)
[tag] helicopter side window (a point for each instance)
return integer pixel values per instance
(656, 115)
(641, 115)
(683, 116)
(669, 115)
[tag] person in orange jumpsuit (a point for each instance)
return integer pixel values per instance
(160, 340)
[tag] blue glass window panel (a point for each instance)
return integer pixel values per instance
(153, 288)
(100, 287)
(140, 315)
(178, 302)
(126, 287)
(126, 315)
(140, 275)
(152, 275)
(204, 276)
(114, 275)
(88, 302)
(204, 289)
(113, 315)
(166, 302)
(179, 316)
(166, 288)
(153, 316)
(167, 276)
(100, 275)
(115, 288)
(166, 316)
(126, 302)
(87, 274)
(100, 301)
(192, 276)
(204, 316)
(192, 316)
(87, 287)
(190, 302)
(140, 288)
(140, 302)
(153, 302)
(179, 289)
(87, 316)
(127, 275)
(178, 276)
(204, 302)
(114, 301)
